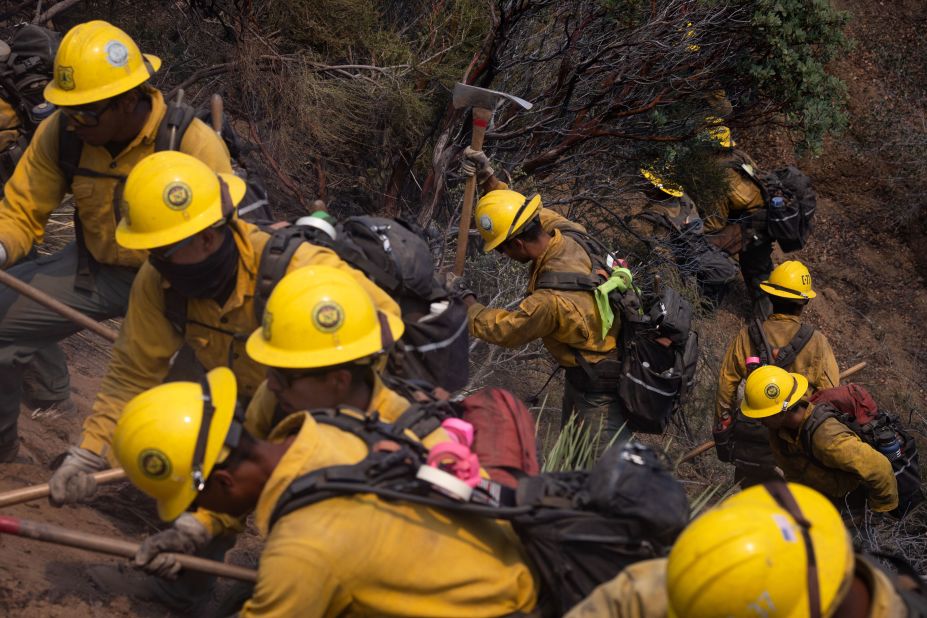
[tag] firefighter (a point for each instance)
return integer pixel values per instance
(566, 321)
(110, 115)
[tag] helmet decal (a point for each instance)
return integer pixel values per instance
(328, 316)
(117, 54)
(772, 391)
(178, 195)
(154, 464)
(486, 223)
(65, 77)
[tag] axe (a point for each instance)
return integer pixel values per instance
(483, 101)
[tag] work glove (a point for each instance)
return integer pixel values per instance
(186, 536)
(457, 286)
(476, 162)
(72, 481)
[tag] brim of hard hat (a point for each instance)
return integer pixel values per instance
(530, 211)
(224, 391)
(70, 98)
(134, 240)
(776, 409)
(782, 294)
(262, 351)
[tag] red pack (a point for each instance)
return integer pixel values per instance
(850, 399)
(504, 437)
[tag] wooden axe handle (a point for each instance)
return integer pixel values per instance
(215, 112)
(706, 446)
(57, 306)
(481, 119)
(114, 547)
(27, 494)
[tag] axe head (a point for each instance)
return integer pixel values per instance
(473, 96)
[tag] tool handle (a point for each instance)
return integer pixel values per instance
(57, 306)
(848, 372)
(481, 119)
(114, 547)
(27, 494)
(215, 112)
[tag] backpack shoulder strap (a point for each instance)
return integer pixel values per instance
(790, 351)
(174, 126)
(69, 151)
(759, 341)
(275, 259)
(175, 309)
(573, 281)
(819, 414)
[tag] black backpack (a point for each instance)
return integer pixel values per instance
(579, 529)
(790, 203)
(746, 440)
(23, 76)
(654, 377)
(885, 428)
(395, 255)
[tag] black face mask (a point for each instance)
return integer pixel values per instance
(213, 278)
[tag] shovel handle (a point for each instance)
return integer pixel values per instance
(114, 547)
(57, 306)
(481, 118)
(27, 494)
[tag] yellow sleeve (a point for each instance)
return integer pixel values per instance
(534, 318)
(203, 143)
(294, 582)
(140, 361)
(637, 592)
(32, 193)
(308, 254)
(733, 370)
(219, 523)
(837, 447)
(259, 417)
(830, 372)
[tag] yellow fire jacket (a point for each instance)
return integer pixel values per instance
(38, 186)
(841, 463)
(361, 556)
(8, 123)
(564, 321)
(262, 416)
(640, 592)
(148, 340)
(816, 361)
(743, 193)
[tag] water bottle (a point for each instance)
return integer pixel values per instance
(320, 220)
(889, 444)
(41, 111)
(777, 202)
(752, 363)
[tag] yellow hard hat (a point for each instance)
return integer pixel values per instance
(719, 132)
(157, 435)
(748, 558)
(170, 196)
(789, 279)
(321, 316)
(96, 61)
(667, 186)
(502, 214)
(770, 390)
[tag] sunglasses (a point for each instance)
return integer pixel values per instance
(86, 117)
(164, 253)
(287, 377)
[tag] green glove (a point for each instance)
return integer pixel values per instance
(620, 280)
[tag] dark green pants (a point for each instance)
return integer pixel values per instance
(29, 331)
(595, 406)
